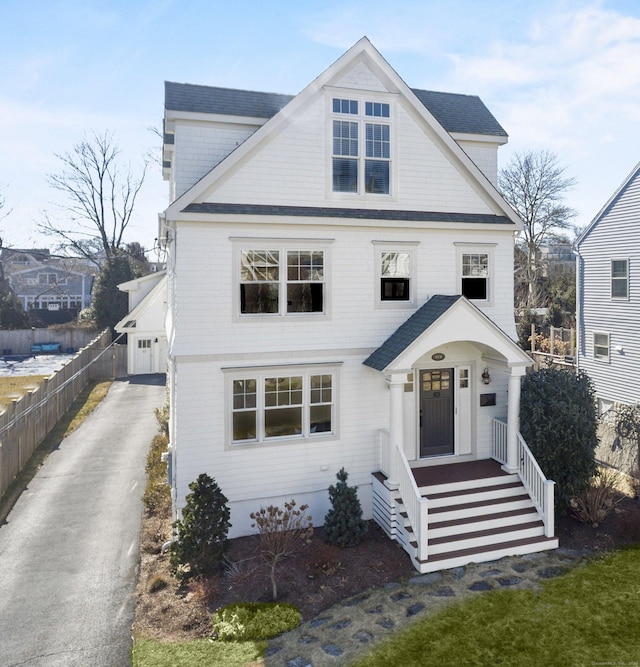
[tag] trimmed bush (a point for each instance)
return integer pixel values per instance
(558, 421)
(254, 620)
(201, 540)
(344, 525)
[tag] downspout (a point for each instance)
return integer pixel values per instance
(579, 290)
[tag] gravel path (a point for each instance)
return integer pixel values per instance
(348, 630)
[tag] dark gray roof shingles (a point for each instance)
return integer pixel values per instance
(351, 213)
(410, 330)
(466, 114)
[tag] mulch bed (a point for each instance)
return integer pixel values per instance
(316, 577)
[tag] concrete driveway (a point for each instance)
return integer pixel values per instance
(69, 547)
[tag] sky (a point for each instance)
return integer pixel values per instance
(561, 75)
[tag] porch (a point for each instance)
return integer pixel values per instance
(449, 515)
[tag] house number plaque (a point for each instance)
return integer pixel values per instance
(438, 356)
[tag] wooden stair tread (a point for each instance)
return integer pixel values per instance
(480, 503)
(490, 547)
(482, 517)
(487, 532)
(475, 489)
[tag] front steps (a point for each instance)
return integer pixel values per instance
(477, 513)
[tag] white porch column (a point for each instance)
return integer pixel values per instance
(396, 423)
(513, 418)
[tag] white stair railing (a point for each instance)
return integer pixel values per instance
(533, 479)
(394, 464)
(417, 507)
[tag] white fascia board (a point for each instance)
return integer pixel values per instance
(480, 138)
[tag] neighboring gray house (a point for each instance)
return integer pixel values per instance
(58, 287)
(608, 275)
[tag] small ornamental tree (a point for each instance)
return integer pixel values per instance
(201, 540)
(344, 525)
(281, 532)
(558, 421)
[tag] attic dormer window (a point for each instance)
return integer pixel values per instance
(356, 170)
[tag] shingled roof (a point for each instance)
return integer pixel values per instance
(410, 330)
(465, 114)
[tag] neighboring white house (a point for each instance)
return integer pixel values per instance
(609, 297)
(340, 294)
(145, 324)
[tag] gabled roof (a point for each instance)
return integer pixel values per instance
(441, 320)
(635, 173)
(364, 52)
(410, 330)
(222, 101)
(464, 114)
(130, 320)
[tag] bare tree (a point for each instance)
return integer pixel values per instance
(100, 198)
(534, 183)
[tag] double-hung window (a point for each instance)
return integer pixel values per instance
(361, 146)
(475, 276)
(600, 345)
(619, 278)
(282, 404)
(395, 273)
(282, 281)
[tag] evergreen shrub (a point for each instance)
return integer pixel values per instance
(559, 424)
(344, 525)
(201, 535)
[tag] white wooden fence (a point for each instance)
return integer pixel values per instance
(28, 420)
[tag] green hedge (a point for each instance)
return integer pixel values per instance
(254, 620)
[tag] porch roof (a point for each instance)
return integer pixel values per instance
(422, 331)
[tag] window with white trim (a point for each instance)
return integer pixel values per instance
(278, 404)
(282, 281)
(619, 278)
(355, 170)
(600, 345)
(475, 276)
(395, 273)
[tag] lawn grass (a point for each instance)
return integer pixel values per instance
(16, 386)
(150, 653)
(80, 409)
(590, 616)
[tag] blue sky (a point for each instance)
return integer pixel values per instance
(560, 75)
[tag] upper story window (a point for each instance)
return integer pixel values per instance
(619, 278)
(475, 276)
(51, 279)
(282, 281)
(361, 147)
(395, 273)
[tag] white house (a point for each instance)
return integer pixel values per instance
(609, 297)
(145, 324)
(340, 281)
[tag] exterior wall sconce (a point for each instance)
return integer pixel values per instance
(486, 378)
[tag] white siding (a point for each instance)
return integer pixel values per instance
(297, 161)
(207, 308)
(200, 146)
(254, 475)
(485, 157)
(616, 235)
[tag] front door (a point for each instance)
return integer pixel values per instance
(436, 412)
